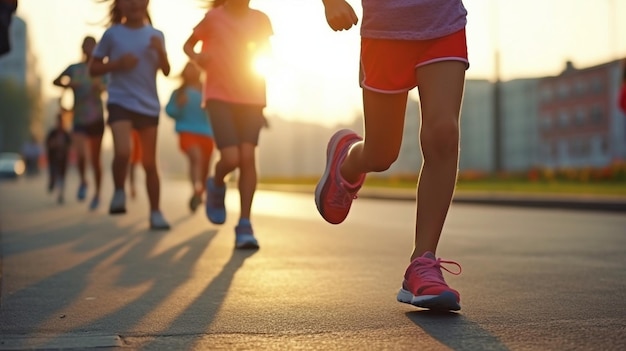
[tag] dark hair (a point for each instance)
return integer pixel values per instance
(115, 15)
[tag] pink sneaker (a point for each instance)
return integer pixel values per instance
(424, 286)
(333, 195)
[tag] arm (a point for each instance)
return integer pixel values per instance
(172, 108)
(59, 80)
(156, 43)
(189, 49)
(339, 14)
(98, 67)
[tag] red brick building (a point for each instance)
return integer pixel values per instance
(579, 122)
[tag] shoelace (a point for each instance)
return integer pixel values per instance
(430, 270)
(342, 198)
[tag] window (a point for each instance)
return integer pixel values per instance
(580, 116)
(581, 87)
(564, 91)
(597, 85)
(563, 119)
(596, 115)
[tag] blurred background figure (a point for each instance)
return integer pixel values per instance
(58, 144)
(135, 162)
(88, 120)
(31, 153)
(193, 128)
(7, 9)
(233, 37)
(132, 51)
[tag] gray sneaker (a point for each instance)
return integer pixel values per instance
(118, 202)
(244, 238)
(158, 222)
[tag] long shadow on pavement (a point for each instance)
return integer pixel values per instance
(208, 302)
(455, 331)
(166, 272)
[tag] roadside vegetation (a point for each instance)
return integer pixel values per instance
(607, 181)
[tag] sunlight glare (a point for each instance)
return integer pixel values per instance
(262, 64)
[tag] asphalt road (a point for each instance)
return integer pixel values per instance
(533, 278)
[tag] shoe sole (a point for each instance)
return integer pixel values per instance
(321, 185)
(247, 246)
(116, 211)
(248, 242)
(445, 301)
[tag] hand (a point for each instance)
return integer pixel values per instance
(340, 15)
(156, 44)
(127, 61)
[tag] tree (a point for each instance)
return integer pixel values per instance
(17, 110)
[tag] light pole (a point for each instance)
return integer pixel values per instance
(497, 92)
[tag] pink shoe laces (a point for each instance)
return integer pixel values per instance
(429, 270)
(342, 198)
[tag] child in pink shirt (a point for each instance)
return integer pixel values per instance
(232, 36)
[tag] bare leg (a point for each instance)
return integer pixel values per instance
(95, 146)
(384, 124)
(80, 143)
(194, 154)
(228, 162)
(205, 165)
(148, 138)
(247, 177)
(121, 144)
(441, 92)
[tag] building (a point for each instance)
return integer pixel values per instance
(20, 116)
(520, 136)
(579, 121)
(18, 66)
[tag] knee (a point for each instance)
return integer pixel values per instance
(122, 156)
(230, 161)
(441, 140)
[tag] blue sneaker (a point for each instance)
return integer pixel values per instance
(214, 203)
(244, 238)
(82, 192)
(95, 202)
(118, 202)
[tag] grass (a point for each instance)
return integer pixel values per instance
(608, 188)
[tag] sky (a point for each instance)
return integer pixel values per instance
(313, 72)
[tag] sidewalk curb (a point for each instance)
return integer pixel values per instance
(550, 201)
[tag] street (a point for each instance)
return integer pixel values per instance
(533, 279)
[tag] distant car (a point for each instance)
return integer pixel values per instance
(11, 165)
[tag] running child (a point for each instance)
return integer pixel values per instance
(404, 44)
(193, 128)
(132, 51)
(232, 35)
(88, 121)
(58, 144)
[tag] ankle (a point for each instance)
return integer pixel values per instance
(352, 180)
(245, 222)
